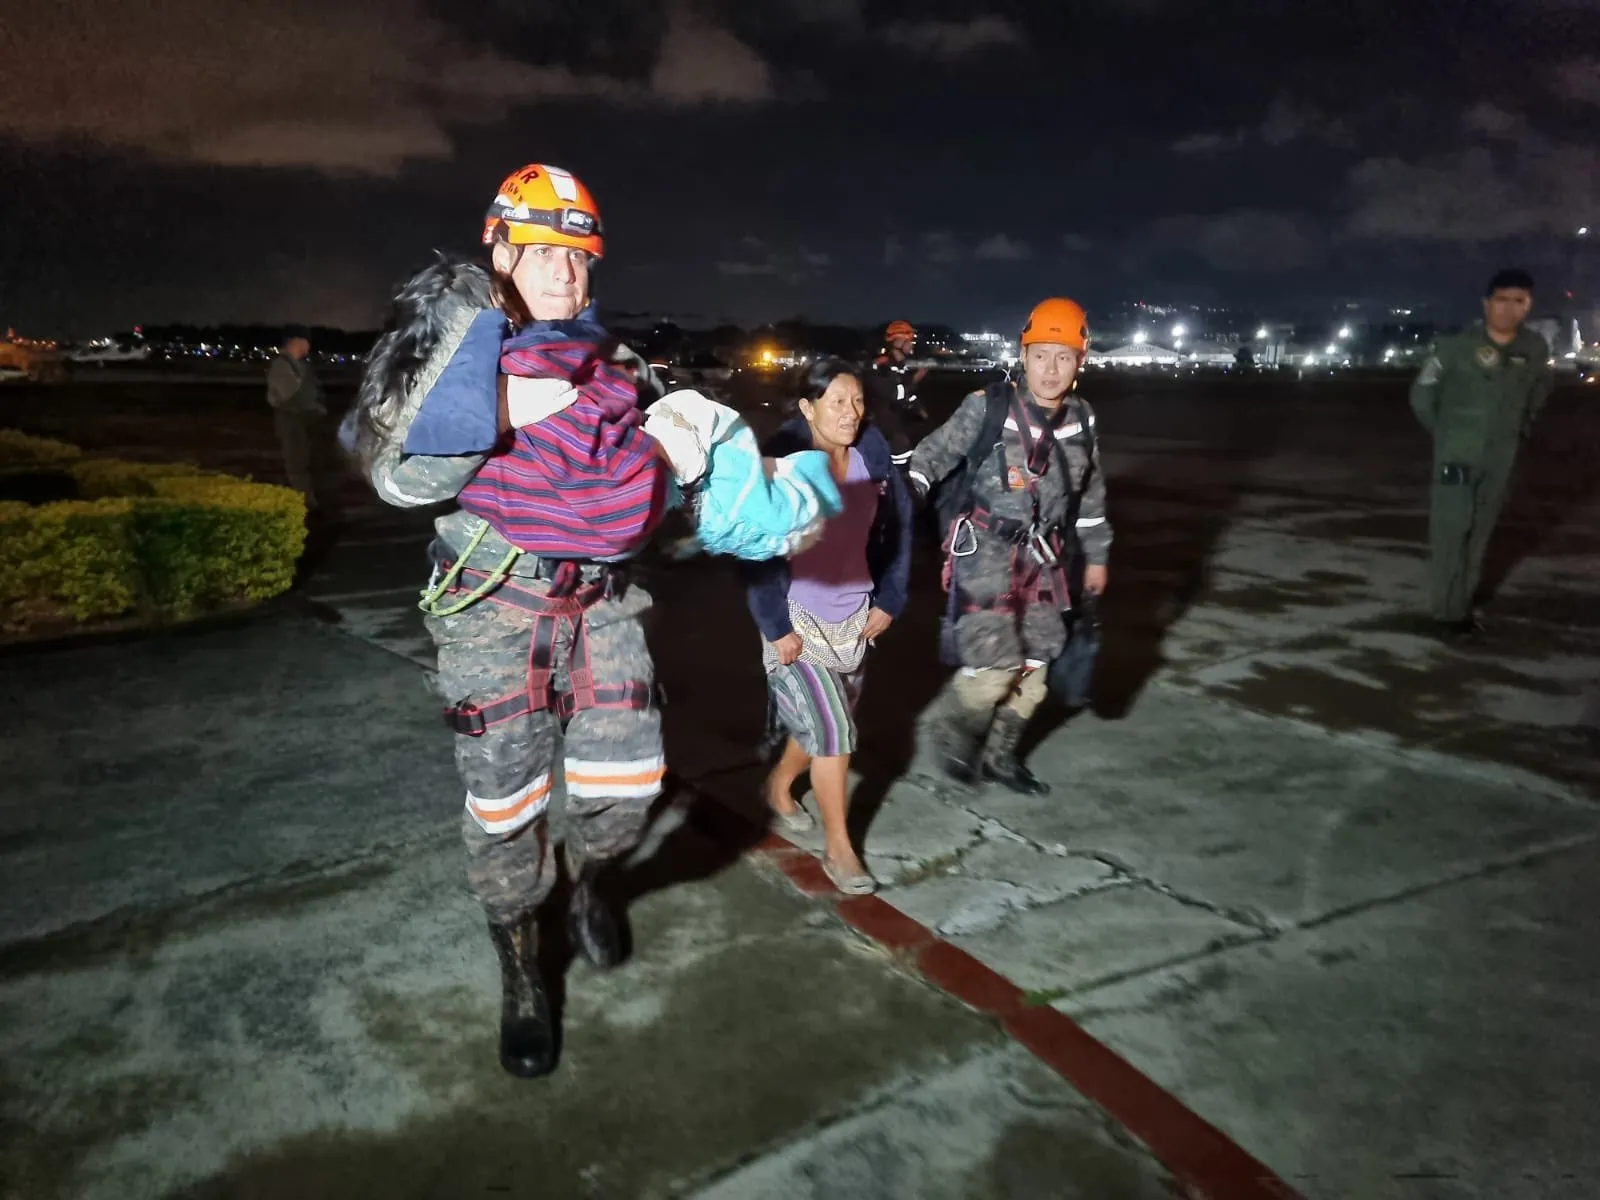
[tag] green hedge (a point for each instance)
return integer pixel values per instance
(25, 450)
(155, 539)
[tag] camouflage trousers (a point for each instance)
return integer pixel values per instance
(1002, 650)
(609, 759)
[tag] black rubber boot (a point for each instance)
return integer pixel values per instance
(593, 925)
(527, 1032)
(1000, 761)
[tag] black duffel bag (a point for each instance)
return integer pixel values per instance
(1071, 674)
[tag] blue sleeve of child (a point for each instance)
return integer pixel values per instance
(461, 412)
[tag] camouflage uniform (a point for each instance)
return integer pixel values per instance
(612, 759)
(1002, 643)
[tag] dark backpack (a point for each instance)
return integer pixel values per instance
(954, 497)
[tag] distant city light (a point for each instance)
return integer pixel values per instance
(1179, 330)
(1177, 343)
(1388, 354)
(1140, 338)
(1344, 331)
(1583, 231)
(1263, 332)
(1331, 350)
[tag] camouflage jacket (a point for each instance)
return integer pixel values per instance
(1000, 484)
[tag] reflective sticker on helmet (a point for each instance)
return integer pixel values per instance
(565, 185)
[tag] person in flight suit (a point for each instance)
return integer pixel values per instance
(1477, 395)
(1030, 494)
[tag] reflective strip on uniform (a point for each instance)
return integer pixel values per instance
(1062, 434)
(921, 480)
(388, 488)
(511, 812)
(901, 459)
(639, 779)
(1088, 522)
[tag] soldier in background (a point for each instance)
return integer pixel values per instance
(296, 398)
(1477, 395)
(891, 389)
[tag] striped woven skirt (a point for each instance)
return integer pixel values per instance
(816, 706)
(814, 697)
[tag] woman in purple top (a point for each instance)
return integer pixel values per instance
(819, 610)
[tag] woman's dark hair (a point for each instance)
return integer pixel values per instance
(811, 381)
(414, 328)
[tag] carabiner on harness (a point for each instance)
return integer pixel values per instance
(963, 522)
(1039, 548)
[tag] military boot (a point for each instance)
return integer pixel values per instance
(591, 922)
(527, 1032)
(1000, 761)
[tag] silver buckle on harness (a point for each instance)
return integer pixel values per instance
(1039, 548)
(961, 523)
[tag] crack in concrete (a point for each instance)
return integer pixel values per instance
(1482, 871)
(978, 918)
(1498, 866)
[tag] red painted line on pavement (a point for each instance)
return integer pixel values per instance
(1208, 1163)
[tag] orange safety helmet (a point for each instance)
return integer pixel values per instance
(899, 329)
(544, 206)
(1060, 322)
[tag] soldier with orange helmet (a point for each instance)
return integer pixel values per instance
(891, 391)
(542, 658)
(1019, 493)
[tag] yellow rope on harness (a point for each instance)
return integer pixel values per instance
(430, 595)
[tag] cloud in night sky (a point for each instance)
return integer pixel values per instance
(950, 40)
(359, 87)
(837, 157)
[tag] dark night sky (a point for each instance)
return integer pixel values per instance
(210, 160)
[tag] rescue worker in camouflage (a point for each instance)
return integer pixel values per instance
(590, 715)
(1032, 496)
(1477, 395)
